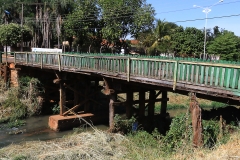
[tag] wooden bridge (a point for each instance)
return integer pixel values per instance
(218, 81)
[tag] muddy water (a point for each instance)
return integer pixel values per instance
(36, 128)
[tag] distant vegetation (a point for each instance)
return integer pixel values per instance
(103, 26)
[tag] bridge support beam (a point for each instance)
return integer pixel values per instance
(62, 102)
(151, 104)
(164, 103)
(87, 91)
(141, 104)
(76, 94)
(113, 98)
(129, 104)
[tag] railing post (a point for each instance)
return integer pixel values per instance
(175, 75)
(26, 58)
(59, 62)
(14, 57)
(41, 60)
(128, 69)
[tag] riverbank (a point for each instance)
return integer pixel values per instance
(103, 145)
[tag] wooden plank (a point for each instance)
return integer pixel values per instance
(187, 74)
(206, 75)
(217, 76)
(192, 72)
(222, 77)
(163, 71)
(183, 72)
(212, 75)
(202, 74)
(167, 70)
(197, 74)
(233, 79)
(75, 107)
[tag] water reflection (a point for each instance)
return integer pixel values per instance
(36, 128)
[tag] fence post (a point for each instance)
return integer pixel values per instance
(59, 62)
(26, 58)
(128, 69)
(175, 75)
(41, 60)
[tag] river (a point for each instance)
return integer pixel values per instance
(36, 128)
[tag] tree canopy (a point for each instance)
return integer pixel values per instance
(97, 25)
(12, 33)
(227, 45)
(188, 41)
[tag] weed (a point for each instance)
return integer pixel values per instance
(123, 125)
(20, 157)
(56, 109)
(21, 102)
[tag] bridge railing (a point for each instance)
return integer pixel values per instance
(214, 75)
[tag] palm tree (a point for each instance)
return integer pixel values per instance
(162, 33)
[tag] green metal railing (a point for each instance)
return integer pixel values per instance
(224, 75)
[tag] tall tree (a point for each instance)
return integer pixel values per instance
(188, 41)
(125, 17)
(163, 32)
(84, 24)
(227, 45)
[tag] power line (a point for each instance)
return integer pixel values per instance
(234, 15)
(226, 16)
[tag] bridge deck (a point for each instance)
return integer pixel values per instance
(207, 78)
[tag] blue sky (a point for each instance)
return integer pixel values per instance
(183, 10)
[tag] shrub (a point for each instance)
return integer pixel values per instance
(20, 102)
(123, 125)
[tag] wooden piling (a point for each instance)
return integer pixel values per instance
(164, 103)
(76, 94)
(151, 104)
(196, 112)
(129, 104)
(113, 98)
(62, 102)
(141, 103)
(87, 91)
